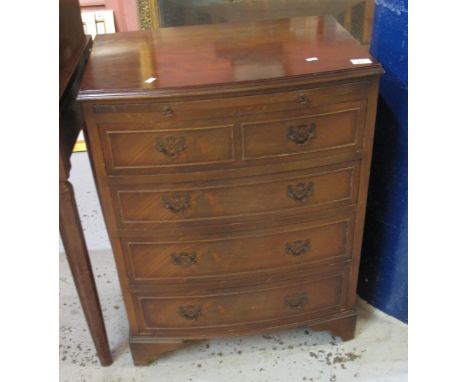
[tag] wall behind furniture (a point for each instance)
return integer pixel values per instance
(383, 279)
(125, 12)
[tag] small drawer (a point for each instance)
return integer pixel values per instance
(140, 149)
(231, 256)
(336, 127)
(223, 309)
(312, 188)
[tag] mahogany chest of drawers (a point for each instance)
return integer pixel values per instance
(232, 164)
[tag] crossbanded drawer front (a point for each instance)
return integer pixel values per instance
(298, 101)
(321, 132)
(278, 302)
(243, 256)
(311, 188)
(140, 148)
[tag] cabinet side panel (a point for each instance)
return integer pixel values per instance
(98, 166)
(363, 188)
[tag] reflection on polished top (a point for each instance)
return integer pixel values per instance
(216, 55)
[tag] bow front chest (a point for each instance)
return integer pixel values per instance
(232, 165)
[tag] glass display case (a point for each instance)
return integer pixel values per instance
(355, 15)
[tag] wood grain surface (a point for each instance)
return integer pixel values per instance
(234, 186)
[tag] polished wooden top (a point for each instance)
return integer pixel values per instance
(218, 56)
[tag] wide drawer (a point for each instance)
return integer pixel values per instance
(173, 111)
(245, 307)
(212, 201)
(235, 255)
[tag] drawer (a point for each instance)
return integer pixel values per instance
(328, 129)
(212, 201)
(223, 309)
(173, 111)
(145, 148)
(231, 256)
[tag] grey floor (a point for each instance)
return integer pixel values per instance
(378, 353)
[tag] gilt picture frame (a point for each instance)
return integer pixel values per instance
(356, 16)
(148, 14)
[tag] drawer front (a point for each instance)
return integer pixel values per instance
(240, 308)
(126, 148)
(232, 107)
(232, 256)
(317, 187)
(335, 129)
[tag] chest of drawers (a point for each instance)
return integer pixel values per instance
(233, 185)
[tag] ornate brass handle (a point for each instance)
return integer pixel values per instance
(301, 191)
(296, 301)
(184, 259)
(303, 99)
(190, 312)
(301, 134)
(167, 111)
(177, 201)
(298, 247)
(171, 146)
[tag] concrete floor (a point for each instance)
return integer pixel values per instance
(378, 353)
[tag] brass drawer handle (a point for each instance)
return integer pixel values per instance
(177, 201)
(184, 259)
(296, 301)
(301, 191)
(298, 247)
(190, 312)
(301, 134)
(167, 111)
(171, 146)
(303, 99)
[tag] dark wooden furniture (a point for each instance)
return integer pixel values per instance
(234, 186)
(74, 52)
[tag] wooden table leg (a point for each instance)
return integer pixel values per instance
(80, 265)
